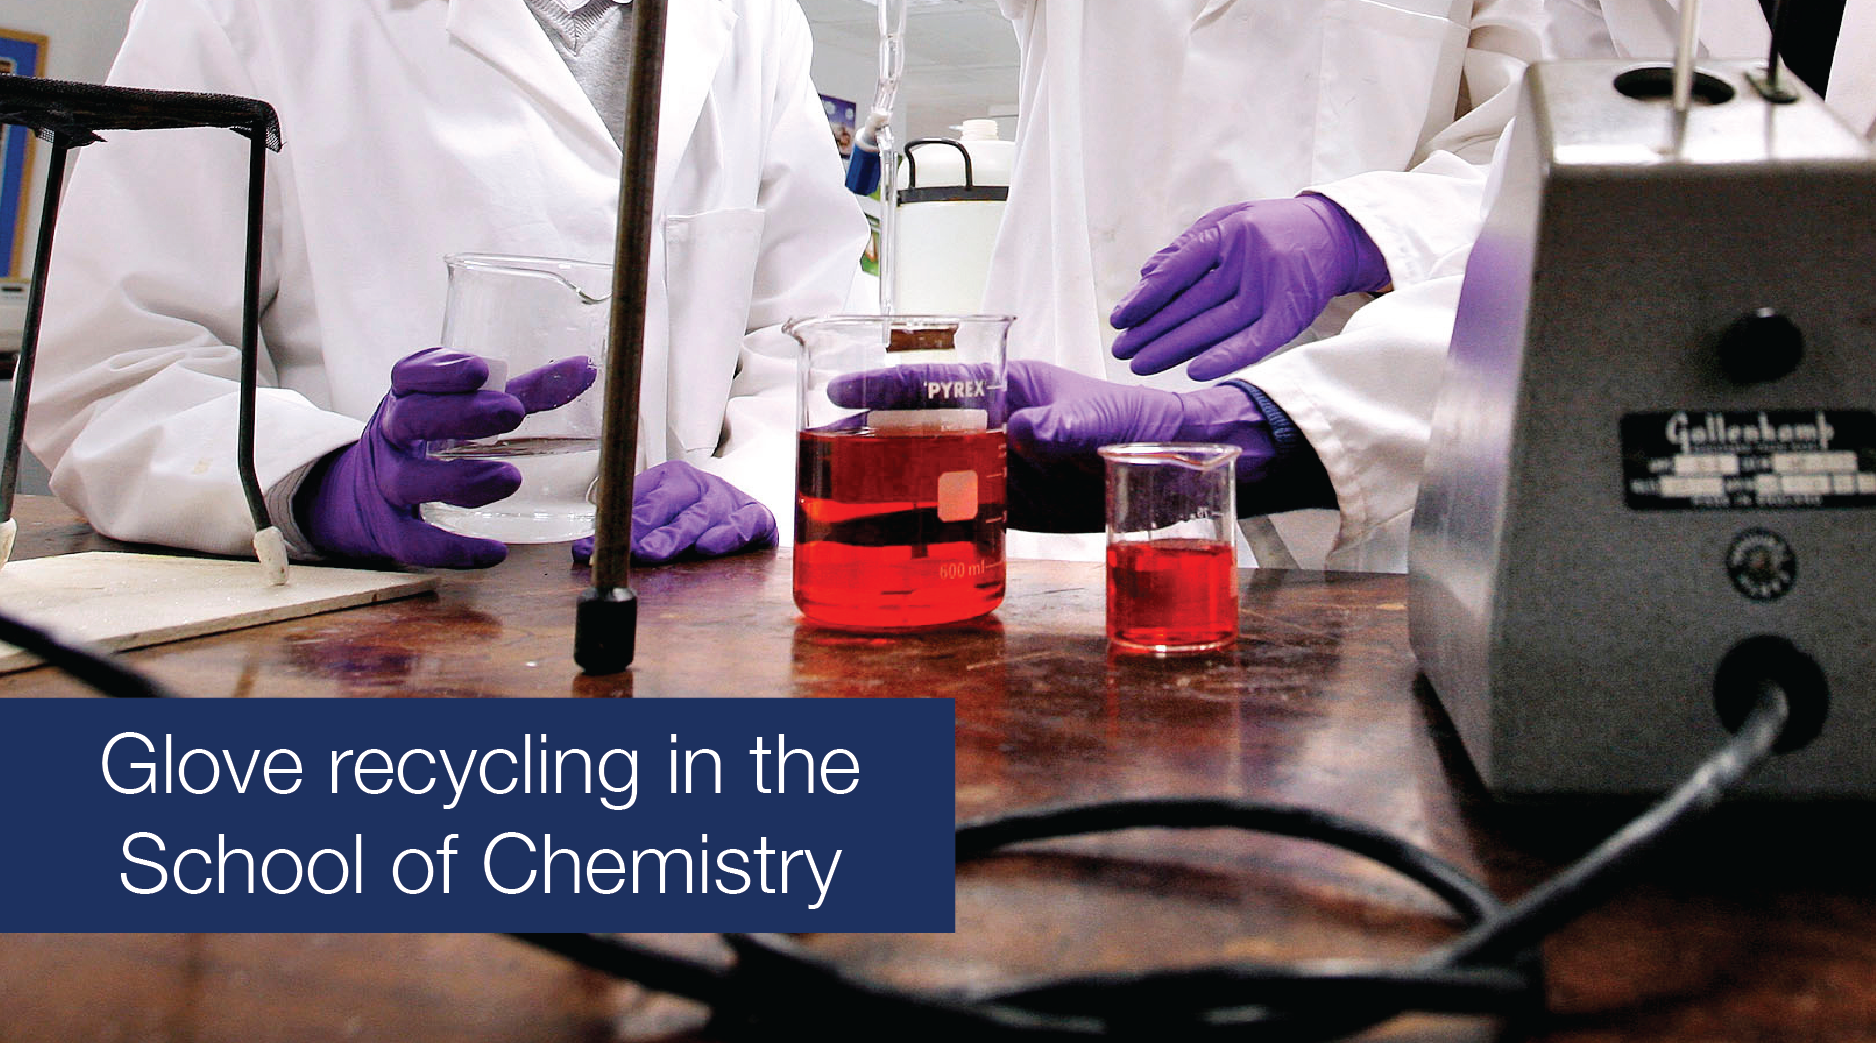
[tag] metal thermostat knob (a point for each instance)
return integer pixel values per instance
(1760, 347)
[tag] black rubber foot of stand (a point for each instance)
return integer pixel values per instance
(605, 630)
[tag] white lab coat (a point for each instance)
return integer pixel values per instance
(1138, 116)
(1728, 29)
(414, 129)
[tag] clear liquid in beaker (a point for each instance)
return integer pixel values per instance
(553, 505)
(899, 529)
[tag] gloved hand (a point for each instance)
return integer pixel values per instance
(1242, 282)
(1058, 419)
(678, 508)
(361, 501)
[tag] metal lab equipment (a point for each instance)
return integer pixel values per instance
(69, 115)
(605, 622)
(1653, 463)
(127, 600)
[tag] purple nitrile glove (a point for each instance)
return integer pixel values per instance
(361, 501)
(921, 385)
(1058, 419)
(678, 508)
(1242, 282)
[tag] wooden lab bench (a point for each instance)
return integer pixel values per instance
(1760, 924)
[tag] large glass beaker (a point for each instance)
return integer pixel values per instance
(535, 319)
(899, 482)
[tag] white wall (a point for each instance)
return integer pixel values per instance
(960, 62)
(81, 39)
(82, 35)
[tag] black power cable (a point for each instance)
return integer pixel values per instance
(95, 669)
(1492, 968)
(775, 983)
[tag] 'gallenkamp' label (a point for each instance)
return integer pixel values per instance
(1740, 459)
(1716, 429)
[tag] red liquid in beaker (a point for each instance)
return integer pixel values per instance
(1173, 595)
(898, 530)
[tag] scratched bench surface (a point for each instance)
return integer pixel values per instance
(1761, 925)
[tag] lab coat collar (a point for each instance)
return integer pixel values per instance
(697, 34)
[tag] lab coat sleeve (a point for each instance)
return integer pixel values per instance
(1364, 400)
(1419, 216)
(135, 397)
(812, 237)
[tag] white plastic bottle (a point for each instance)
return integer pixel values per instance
(947, 219)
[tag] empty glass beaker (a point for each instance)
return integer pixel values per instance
(1172, 577)
(523, 313)
(899, 482)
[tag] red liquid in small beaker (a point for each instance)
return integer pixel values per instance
(1173, 595)
(898, 530)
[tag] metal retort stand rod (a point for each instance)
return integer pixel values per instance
(606, 621)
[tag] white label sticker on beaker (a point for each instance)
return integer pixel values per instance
(928, 421)
(957, 496)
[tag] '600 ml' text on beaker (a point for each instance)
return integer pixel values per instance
(899, 530)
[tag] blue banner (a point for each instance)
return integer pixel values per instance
(477, 815)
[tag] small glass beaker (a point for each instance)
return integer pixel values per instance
(899, 501)
(1172, 578)
(523, 313)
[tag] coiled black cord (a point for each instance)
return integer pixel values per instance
(1492, 968)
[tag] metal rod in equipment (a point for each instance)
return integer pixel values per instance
(1771, 58)
(606, 620)
(1684, 48)
(1768, 83)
